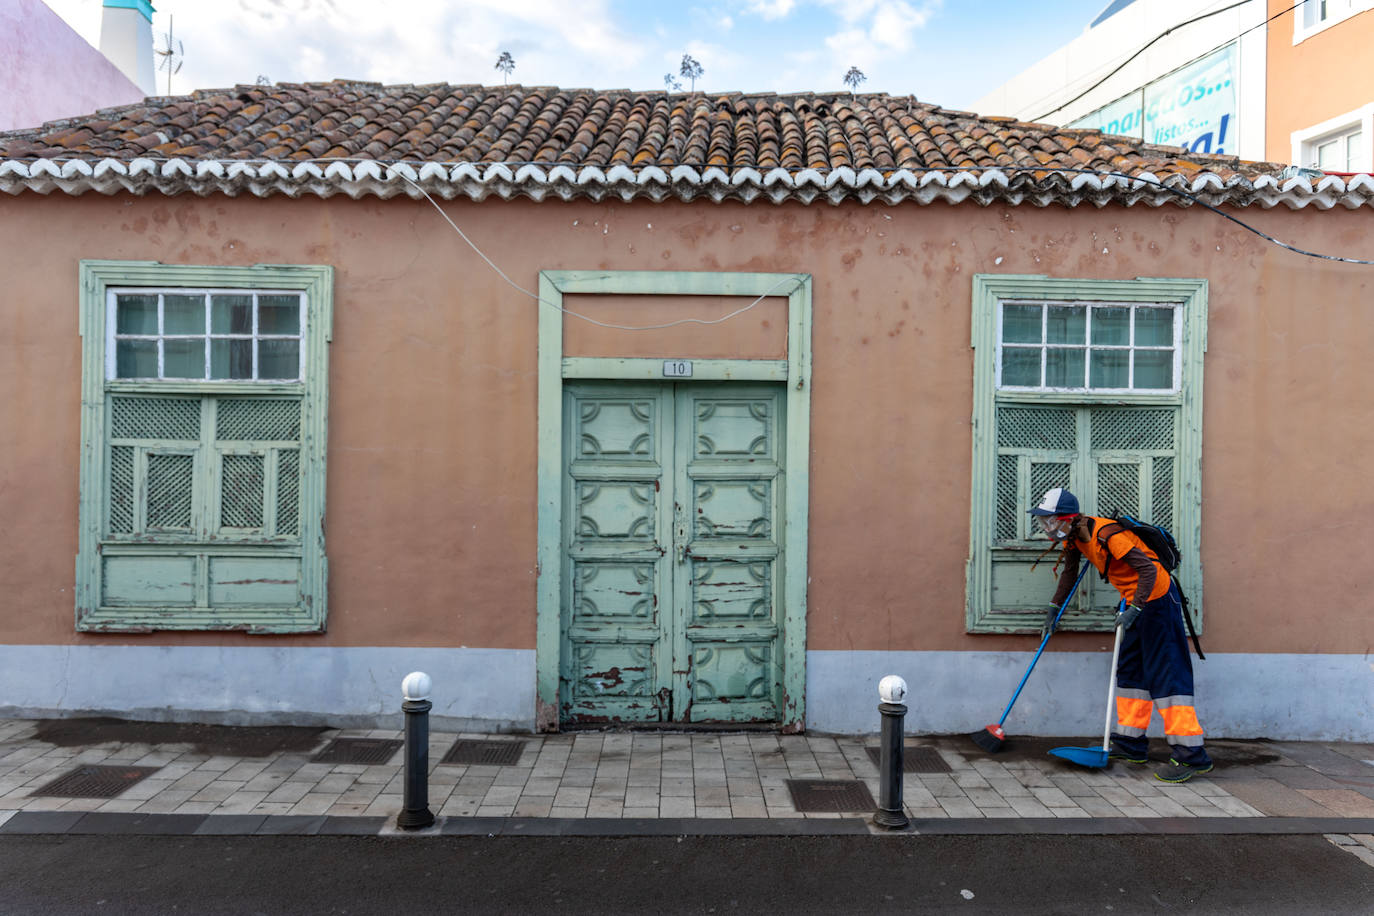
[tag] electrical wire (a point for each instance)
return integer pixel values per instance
(1217, 210)
(1192, 198)
(604, 324)
(1141, 50)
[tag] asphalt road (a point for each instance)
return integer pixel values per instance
(938, 874)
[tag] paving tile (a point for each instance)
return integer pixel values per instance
(1002, 811)
(572, 796)
(577, 813)
(712, 797)
(42, 803)
(1344, 802)
(385, 806)
(941, 786)
(677, 807)
(535, 806)
(935, 813)
(642, 797)
(217, 792)
(1166, 807)
(605, 807)
(314, 803)
(959, 807)
(970, 780)
(1052, 798)
(679, 787)
(339, 809)
(290, 792)
(983, 798)
(121, 805)
(1008, 786)
(1233, 807)
(1097, 807)
(456, 806)
(1271, 797)
(502, 795)
(84, 804)
(1029, 807)
(272, 808)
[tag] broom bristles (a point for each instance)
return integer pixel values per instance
(989, 738)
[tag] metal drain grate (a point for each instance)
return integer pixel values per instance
(370, 751)
(821, 795)
(95, 781)
(914, 760)
(484, 753)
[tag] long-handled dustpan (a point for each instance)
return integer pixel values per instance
(1096, 757)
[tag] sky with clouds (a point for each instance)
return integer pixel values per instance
(949, 52)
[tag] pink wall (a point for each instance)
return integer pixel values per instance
(48, 72)
(431, 530)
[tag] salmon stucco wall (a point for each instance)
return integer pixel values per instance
(431, 524)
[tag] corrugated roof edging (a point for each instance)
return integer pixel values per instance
(481, 181)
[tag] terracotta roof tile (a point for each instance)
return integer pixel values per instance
(881, 135)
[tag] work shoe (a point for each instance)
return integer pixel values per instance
(1117, 752)
(1181, 772)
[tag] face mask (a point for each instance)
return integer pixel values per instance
(1057, 529)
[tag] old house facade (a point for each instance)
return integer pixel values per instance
(608, 407)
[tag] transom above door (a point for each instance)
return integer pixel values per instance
(673, 533)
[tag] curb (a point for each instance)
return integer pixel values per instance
(79, 823)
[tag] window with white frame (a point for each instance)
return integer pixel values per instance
(204, 461)
(1338, 153)
(1094, 385)
(239, 334)
(1313, 16)
(1081, 346)
(1344, 143)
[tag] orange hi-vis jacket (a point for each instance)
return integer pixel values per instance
(1135, 563)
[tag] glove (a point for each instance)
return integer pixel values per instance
(1048, 625)
(1129, 615)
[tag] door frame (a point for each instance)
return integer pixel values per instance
(554, 368)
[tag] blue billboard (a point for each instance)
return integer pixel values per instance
(1193, 107)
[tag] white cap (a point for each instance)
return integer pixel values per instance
(416, 686)
(892, 689)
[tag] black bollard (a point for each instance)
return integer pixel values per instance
(416, 705)
(890, 813)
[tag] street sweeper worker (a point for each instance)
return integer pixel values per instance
(1154, 670)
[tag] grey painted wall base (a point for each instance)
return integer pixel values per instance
(1284, 697)
(488, 690)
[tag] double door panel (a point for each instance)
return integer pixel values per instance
(671, 608)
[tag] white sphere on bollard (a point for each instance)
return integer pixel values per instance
(892, 689)
(416, 686)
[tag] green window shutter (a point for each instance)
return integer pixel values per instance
(1119, 453)
(203, 501)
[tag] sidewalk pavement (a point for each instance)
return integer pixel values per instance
(187, 779)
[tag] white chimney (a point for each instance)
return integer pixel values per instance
(126, 39)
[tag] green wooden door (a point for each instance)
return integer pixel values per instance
(672, 540)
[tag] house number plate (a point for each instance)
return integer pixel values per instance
(677, 368)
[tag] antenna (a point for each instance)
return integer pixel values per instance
(172, 53)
